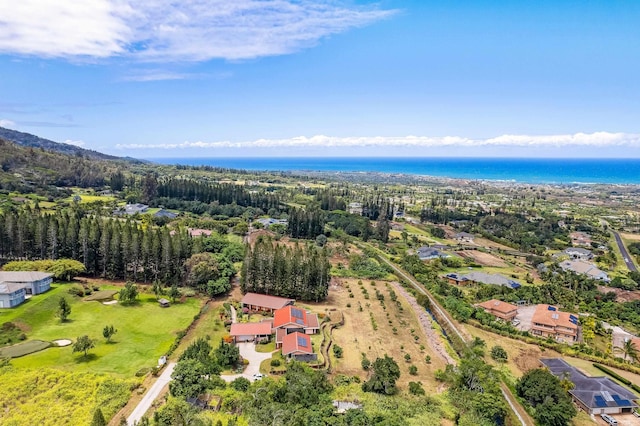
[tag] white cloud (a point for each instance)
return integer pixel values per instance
(597, 139)
(167, 30)
(7, 123)
(74, 143)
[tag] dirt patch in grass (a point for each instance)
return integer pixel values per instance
(528, 359)
(101, 295)
(484, 259)
(22, 349)
(621, 295)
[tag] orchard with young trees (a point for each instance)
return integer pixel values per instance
(301, 272)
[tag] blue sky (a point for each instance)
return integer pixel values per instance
(152, 78)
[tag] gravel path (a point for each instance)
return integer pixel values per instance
(434, 338)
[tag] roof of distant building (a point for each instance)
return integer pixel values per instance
(494, 279)
(23, 276)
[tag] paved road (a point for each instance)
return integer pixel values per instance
(151, 395)
(625, 254)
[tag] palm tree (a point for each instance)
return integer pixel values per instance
(629, 350)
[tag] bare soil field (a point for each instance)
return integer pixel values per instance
(484, 259)
(359, 335)
(621, 295)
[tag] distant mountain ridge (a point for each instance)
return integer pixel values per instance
(32, 141)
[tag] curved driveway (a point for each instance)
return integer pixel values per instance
(248, 352)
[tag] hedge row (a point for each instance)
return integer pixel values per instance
(617, 377)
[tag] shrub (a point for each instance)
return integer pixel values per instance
(275, 362)
(413, 370)
(499, 354)
(337, 351)
(415, 388)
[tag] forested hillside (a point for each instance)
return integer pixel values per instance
(31, 141)
(26, 169)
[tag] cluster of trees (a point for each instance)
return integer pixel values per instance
(305, 223)
(220, 193)
(113, 248)
(209, 273)
(527, 235)
(198, 368)
(475, 388)
(299, 272)
(548, 396)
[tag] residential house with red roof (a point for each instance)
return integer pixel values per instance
(499, 309)
(291, 319)
(251, 331)
(298, 346)
(264, 302)
(548, 321)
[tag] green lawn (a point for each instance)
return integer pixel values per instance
(145, 331)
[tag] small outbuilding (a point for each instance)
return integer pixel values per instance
(164, 303)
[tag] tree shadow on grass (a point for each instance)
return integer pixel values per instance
(84, 359)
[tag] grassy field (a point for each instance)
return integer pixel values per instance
(358, 335)
(53, 397)
(145, 331)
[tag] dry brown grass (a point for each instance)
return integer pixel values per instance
(357, 335)
(630, 237)
(484, 259)
(522, 356)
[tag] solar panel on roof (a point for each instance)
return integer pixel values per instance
(573, 317)
(551, 308)
(296, 313)
(299, 322)
(302, 341)
(600, 402)
(607, 396)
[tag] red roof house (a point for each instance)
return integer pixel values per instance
(296, 344)
(264, 302)
(245, 332)
(292, 319)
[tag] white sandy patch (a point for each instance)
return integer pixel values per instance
(62, 342)
(110, 302)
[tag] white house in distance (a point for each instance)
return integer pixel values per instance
(584, 268)
(15, 286)
(579, 253)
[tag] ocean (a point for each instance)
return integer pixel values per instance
(521, 170)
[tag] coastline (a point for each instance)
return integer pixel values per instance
(494, 171)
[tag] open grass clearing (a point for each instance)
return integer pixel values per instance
(145, 332)
(358, 336)
(22, 349)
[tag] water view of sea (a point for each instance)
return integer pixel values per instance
(524, 170)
